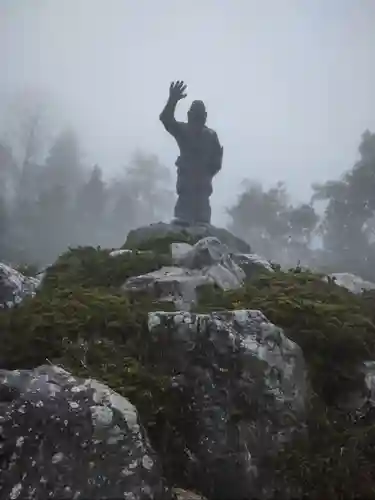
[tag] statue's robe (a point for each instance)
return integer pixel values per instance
(199, 161)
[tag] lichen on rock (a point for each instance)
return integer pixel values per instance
(65, 437)
(218, 382)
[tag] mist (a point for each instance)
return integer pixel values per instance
(288, 87)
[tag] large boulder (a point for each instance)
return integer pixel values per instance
(208, 262)
(14, 286)
(221, 390)
(252, 264)
(64, 437)
(244, 386)
(137, 238)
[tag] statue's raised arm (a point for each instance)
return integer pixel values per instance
(176, 93)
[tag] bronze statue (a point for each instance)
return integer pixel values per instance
(200, 158)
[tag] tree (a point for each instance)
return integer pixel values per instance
(257, 214)
(27, 124)
(63, 163)
(28, 121)
(302, 221)
(4, 230)
(90, 209)
(8, 174)
(271, 224)
(52, 230)
(148, 182)
(348, 218)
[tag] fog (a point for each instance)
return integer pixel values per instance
(288, 84)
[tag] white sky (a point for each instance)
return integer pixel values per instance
(289, 84)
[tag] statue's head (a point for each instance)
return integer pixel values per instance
(197, 114)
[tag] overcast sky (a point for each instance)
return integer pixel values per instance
(289, 84)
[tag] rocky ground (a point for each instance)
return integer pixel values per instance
(183, 366)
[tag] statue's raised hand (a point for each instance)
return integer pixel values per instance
(177, 90)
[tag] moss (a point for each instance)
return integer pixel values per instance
(80, 320)
(334, 459)
(334, 328)
(334, 455)
(94, 267)
(93, 333)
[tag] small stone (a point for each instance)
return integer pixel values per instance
(57, 457)
(147, 462)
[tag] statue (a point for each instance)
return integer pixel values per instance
(200, 158)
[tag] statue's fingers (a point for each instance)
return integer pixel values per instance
(183, 88)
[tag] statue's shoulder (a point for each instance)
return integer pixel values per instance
(210, 131)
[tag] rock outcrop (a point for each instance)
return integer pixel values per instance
(14, 286)
(65, 437)
(208, 262)
(353, 283)
(191, 364)
(242, 385)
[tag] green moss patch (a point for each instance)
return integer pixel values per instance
(334, 328)
(94, 333)
(80, 320)
(335, 459)
(94, 267)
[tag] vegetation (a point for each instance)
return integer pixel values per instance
(90, 267)
(50, 199)
(343, 225)
(335, 329)
(79, 319)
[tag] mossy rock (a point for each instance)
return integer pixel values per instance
(160, 235)
(334, 455)
(94, 333)
(94, 267)
(334, 328)
(80, 320)
(160, 244)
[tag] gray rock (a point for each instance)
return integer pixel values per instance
(369, 373)
(161, 229)
(244, 388)
(363, 397)
(116, 253)
(179, 250)
(14, 286)
(252, 264)
(206, 263)
(212, 250)
(351, 282)
(63, 437)
(187, 495)
(206, 252)
(170, 284)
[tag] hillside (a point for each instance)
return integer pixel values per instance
(257, 390)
